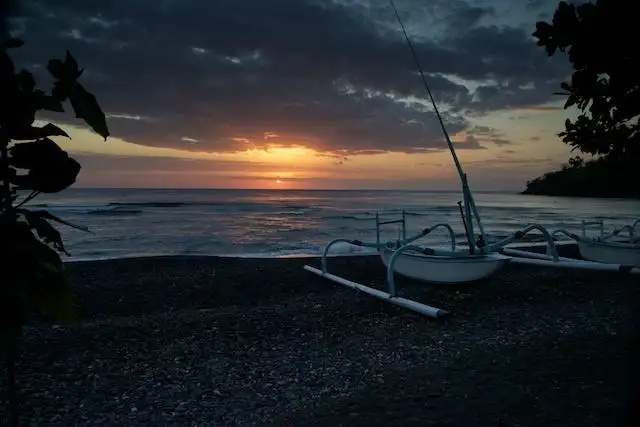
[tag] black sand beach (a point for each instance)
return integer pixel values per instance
(238, 342)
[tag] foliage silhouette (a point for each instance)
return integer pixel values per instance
(605, 87)
(600, 177)
(32, 276)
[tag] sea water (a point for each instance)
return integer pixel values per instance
(284, 223)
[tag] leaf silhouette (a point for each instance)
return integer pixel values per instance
(56, 69)
(86, 107)
(26, 81)
(48, 215)
(7, 70)
(45, 231)
(50, 168)
(33, 132)
(12, 43)
(49, 287)
(47, 102)
(30, 155)
(71, 66)
(52, 179)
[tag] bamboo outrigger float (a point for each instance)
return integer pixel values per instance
(478, 260)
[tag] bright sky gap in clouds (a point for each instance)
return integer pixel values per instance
(304, 93)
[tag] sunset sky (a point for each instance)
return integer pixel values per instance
(304, 93)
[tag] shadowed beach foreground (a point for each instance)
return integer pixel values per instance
(216, 341)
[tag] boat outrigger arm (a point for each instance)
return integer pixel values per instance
(408, 245)
(404, 244)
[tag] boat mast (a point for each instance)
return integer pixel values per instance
(469, 203)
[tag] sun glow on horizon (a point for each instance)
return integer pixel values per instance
(281, 166)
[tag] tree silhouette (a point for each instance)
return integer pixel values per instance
(605, 86)
(32, 276)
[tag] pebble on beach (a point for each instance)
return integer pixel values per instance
(224, 342)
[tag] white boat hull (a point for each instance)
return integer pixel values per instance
(610, 253)
(445, 270)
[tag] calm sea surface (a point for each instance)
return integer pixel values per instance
(286, 223)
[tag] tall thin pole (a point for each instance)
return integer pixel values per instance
(426, 86)
(466, 192)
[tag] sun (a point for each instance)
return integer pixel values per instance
(278, 181)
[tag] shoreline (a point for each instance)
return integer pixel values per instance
(266, 256)
(217, 256)
(235, 341)
(577, 196)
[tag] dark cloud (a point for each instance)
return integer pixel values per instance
(133, 164)
(121, 164)
(463, 16)
(489, 135)
(336, 76)
(549, 5)
(535, 5)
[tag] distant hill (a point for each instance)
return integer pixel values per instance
(596, 178)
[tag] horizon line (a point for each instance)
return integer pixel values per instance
(296, 189)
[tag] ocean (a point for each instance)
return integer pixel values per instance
(285, 223)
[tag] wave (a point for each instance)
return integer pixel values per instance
(339, 249)
(152, 204)
(362, 216)
(176, 204)
(137, 208)
(347, 217)
(300, 207)
(114, 212)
